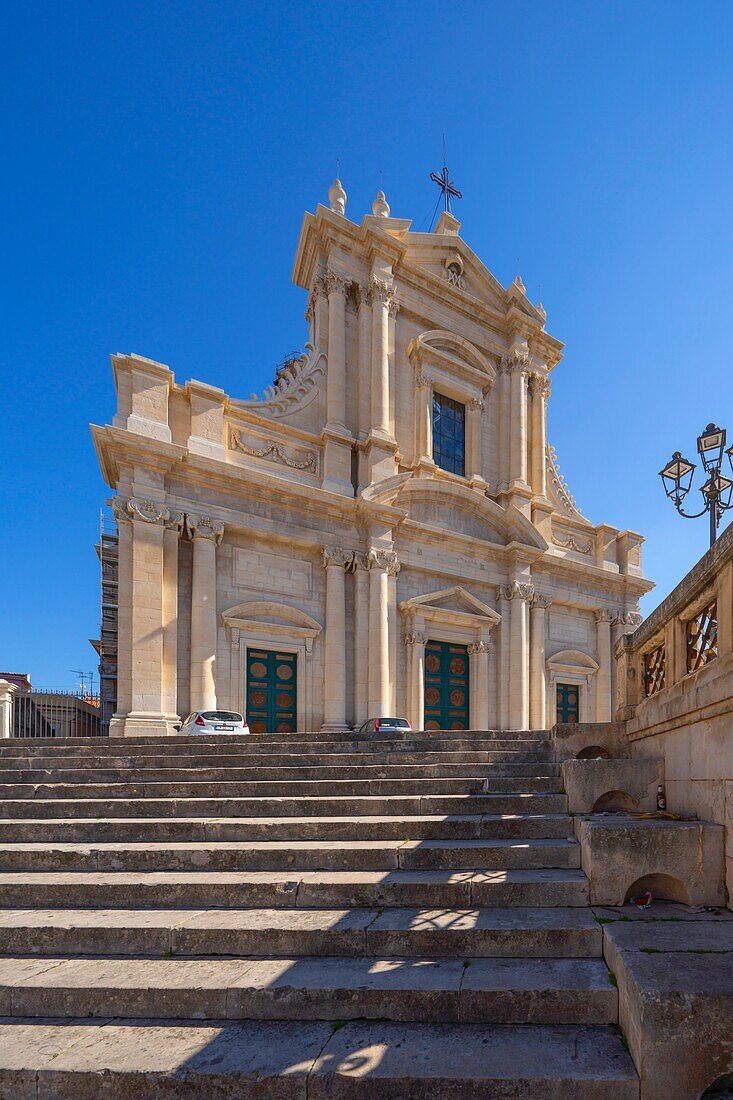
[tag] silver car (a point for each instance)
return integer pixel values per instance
(384, 725)
(214, 721)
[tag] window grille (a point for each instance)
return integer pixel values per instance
(449, 418)
(702, 637)
(655, 665)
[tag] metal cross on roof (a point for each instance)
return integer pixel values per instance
(446, 185)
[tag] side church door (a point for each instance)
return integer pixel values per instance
(446, 686)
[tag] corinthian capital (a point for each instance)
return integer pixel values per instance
(416, 639)
(335, 283)
(541, 600)
(476, 403)
(381, 291)
(539, 384)
(204, 527)
(516, 591)
(148, 510)
(515, 362)
(478, 647)
(603, 615)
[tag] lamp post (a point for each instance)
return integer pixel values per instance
(677, 478)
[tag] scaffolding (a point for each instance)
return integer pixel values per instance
(106, 645)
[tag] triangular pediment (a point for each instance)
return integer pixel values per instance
(453, 605)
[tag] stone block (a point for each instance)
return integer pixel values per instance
(608, 785)
(675, 983)
(675, 860)
(607, 739)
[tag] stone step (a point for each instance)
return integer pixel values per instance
(291, 889)
(206, 774)
(504, 991)
(294, 806)
(318, 855)
(458, 933)
(347, 788)
(433, 827)
(498, 752)
(265, 1060)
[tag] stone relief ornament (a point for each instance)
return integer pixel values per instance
(603, 615)
(515, 361)
(558, 483)
(478, 647)
(274, 452)
(476, 403)
(571, 543)
(416, 639)
(335, 283)
(381, 291)
(294, 390)
(541, 600)
(539, 384)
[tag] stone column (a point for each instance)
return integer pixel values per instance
(320, 313)
(540, 388)
(7, 692)
(207, 534)
(146, 710)
(424, 412)
(381, 563)
(505, 435)
(171, 536)
(334, 638)
(519, 596)
(361, 640)
(537, 677)
(604, 619)
(336, 380)
(474, 418)
(518, 418)
(504, 664)
(364, 307)
(124, 618)
(382, 298)
(478, 660)
(415, 644)
(392, 627)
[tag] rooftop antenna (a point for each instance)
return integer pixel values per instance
(447, 187)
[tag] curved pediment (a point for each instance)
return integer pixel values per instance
(452, 507)
(450, 352)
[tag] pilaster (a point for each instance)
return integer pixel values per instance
(382, 564)
(604, 619)
(519, 595)
(415, 648)
(537, 658)
(478, 661)
(207, 535)
(336, 436)
(334, 683)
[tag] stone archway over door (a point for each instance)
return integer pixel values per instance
(449, 617)
(570, 671)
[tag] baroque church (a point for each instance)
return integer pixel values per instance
(385, 531)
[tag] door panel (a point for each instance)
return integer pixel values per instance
(446, 686)
(272, 691)
(568, 703)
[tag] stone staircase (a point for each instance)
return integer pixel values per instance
(313, 916)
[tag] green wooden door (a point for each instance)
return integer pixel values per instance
(446, 686)
(272, 691)
(568, 703)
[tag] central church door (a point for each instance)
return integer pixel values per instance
(271, 691)
(446, 686)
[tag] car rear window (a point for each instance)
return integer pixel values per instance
(398, 723)
(221, 716)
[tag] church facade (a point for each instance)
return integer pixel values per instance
(385, 531)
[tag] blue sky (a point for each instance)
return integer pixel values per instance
(157, 160)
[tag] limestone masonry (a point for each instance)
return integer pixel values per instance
(385, 531)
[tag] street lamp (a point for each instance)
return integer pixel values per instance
(677, 478)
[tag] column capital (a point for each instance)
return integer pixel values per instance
(541, 601)
(204, 527)
(539, 383)
(381, 291)
(604, 615)
(421, 377)
(416, 639)
(335, 555)
(362, 296)
(335, 283)
(147, 510)
(516, 362)
(478, 647)
(475, 404)
(319, 286)
(632, 618)
(382, 559)
(517, 591)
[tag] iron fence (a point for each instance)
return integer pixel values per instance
(40, 713)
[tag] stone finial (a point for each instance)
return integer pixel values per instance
(519, 284)
(337, 197)
(542, 312)
(380, 206)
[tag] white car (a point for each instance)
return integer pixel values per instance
(384, 725)
(214, 721)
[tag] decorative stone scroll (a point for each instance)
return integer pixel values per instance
(204, 527)
(274, 452)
